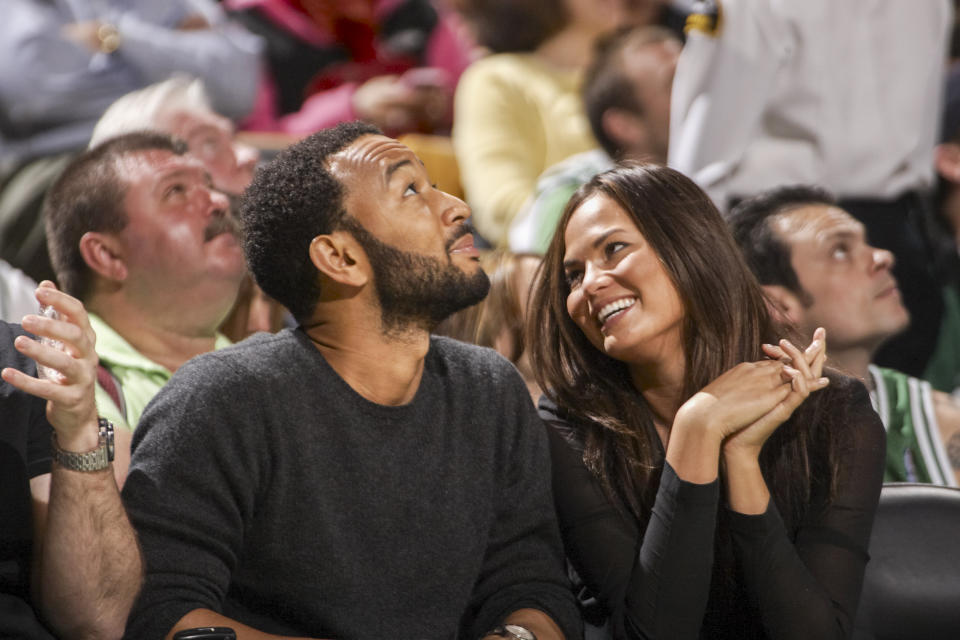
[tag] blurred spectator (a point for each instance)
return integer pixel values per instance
(943, 369)
(518, 111)
(626, 94)
(498, 320)
(389, 62)
(772, 92)
(179, 106)
(947, 157)
(62, 62)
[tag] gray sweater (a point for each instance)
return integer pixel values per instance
(264, 487)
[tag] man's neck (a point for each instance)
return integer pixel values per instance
(384, 368)
(167, 340)
(853, 361)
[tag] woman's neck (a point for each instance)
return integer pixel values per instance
(661, 385)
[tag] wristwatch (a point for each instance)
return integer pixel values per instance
(108, 37)
(514, 631)
(96, 460)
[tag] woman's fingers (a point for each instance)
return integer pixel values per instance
(816, 353)
(797, 359)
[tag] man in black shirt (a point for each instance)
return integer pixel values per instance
(355, 477)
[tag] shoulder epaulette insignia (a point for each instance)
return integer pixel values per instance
(706, 16)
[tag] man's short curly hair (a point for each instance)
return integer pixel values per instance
(290, 202)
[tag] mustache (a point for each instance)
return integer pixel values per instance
(221, 222)
(460, 231)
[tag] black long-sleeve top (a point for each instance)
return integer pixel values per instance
(668, 581)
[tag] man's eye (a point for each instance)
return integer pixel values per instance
(840, 252)
(175, 190)
(411, 190)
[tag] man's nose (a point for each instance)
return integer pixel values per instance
(218, 204)
(247, 156)
(882, 259)
(455, 210)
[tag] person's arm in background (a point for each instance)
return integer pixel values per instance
(53, 72)
(725, 75)
(202, 43)
(88, 565)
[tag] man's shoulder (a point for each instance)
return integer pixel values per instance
(259, 347)
(468, 360)
(459, 352)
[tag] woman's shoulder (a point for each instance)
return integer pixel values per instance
(560, 422)
(846, 410)
(508, 69)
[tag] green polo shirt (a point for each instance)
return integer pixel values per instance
(140, 377)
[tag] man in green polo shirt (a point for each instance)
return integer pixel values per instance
(137, 233)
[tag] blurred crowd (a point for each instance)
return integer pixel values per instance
(827, 135)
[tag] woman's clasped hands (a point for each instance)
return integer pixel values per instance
(746, 404)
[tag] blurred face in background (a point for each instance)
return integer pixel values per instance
(210, 138)
(650, 67)
(597, 16)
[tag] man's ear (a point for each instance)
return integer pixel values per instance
(784, 304)
(103, 253)
(946, 158)
(337, 256)
(625, 128)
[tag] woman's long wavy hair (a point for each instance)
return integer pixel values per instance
(725, 322)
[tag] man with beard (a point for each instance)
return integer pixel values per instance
(138, 235)
(354, 477)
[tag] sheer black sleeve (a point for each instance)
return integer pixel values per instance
(809, 587)
(656, 583)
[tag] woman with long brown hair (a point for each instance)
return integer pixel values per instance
(709, 481)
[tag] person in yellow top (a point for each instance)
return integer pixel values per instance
(518, 111)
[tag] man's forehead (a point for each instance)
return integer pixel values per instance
(370, 153)
(814, 223)
(154, 164)
(185, 123)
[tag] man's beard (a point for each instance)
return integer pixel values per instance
(415, 290)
